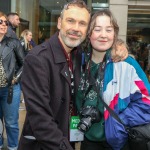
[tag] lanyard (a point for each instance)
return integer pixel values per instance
(72, 81)
(72, 66)
(94, 81)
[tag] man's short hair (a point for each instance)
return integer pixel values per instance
(11, 14)
(78, 3)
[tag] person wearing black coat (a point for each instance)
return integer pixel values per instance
(13, 24)
(46, 83)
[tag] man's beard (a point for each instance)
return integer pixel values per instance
(70, 42)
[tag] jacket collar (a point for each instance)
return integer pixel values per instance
(57, 49)
(12, 27)
(59, 56)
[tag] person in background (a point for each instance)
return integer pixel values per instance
(49, 71)
(14, 22)
(28, 44)
(148, 65)
(11, 55)
(122, 85)
(33, 43)
(25, 39)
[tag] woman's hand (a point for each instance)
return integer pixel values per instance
(119, 53)
(13, 81)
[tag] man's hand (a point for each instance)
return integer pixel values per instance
(119, 53)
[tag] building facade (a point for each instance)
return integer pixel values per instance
(40, 16)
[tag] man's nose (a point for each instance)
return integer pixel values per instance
(76, 26)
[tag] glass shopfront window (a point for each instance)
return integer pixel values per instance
(40, 16)
(49, 12)
(99, 4)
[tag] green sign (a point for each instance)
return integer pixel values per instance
(74, 122)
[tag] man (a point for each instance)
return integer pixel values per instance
(14, 23)
(46, 82)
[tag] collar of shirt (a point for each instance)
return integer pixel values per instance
(68, 58)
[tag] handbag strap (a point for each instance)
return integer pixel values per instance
(113, 114)
(3, 43)
(1, 48)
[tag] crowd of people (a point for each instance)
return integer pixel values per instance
(141, 52)
(13, 50)
(68, 75)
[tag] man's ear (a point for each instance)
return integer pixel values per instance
(59, 23)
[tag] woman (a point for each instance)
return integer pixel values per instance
(123, 86)
(11, 62)
(26, 38)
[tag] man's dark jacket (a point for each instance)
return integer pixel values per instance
(46, 87)
(11, 31)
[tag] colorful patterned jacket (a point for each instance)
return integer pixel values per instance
(126, 91)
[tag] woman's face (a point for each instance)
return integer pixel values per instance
(3, 25)
(29, 36)
(102, 36)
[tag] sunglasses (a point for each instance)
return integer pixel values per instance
(6, 22)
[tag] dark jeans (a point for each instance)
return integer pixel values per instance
(10, 114)
(90, 145)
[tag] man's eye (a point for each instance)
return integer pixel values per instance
(71, 21)
(83, 24)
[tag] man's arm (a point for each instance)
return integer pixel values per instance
(36, 90)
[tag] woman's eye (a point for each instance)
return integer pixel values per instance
(97, 29)
(108, 30)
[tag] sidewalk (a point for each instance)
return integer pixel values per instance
(22, 113)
